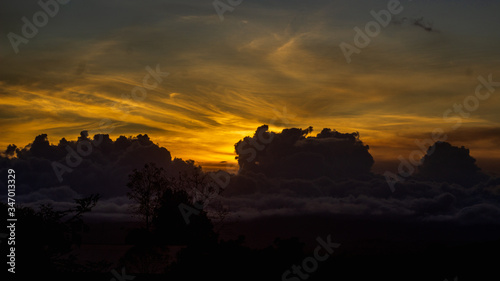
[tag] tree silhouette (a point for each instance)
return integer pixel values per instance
(45, 238)
(158, 199)
(171, 227)
(146, 188)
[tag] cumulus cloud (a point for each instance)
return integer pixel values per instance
(290, 173)
(291, 154)
(88, 165)
(445, 162)
(267, 186)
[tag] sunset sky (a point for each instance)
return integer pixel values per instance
(266, 62)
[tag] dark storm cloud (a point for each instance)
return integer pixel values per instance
(330, 182)
(11, 150)
(290, 154)
(448, 163)
(265, 54)
(482, 142)
(103, 169)
(257, 190)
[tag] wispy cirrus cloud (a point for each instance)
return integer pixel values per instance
(226, 78)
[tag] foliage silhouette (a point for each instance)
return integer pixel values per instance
(145, 189)
(45, 238)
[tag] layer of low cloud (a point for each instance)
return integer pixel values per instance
(266, 189)
(262, 191)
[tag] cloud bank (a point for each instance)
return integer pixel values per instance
(443, 190)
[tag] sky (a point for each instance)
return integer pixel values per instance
(264, 62)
